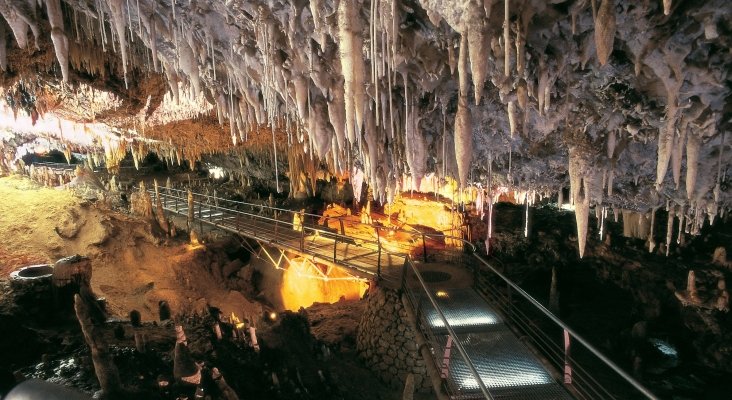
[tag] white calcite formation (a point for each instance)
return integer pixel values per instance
(399, 88)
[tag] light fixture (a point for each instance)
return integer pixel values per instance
(442, 294)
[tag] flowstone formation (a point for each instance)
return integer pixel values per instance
(624, 101)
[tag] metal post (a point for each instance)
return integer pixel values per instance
(424, 249)
(343, 229)
(378, 262)
(302, 236)
(335, 247)
(200, 221)
(567, 366)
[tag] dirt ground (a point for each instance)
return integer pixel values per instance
(131, 269)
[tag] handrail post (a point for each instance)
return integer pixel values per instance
(567, 366)
(200, 220)
(378, 262)
(343, 229)
(424, 248)
(302, 235)
(335, 247)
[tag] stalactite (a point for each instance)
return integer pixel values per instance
(579, 196)
(475, 30)
(677, 155)
(511, 109)
(116, 8)
(605, 31)
(18, 25)
(651, 238)
(352, 66)
(463, 122)
(3, 48)
(506, 39)
(692, 164)
(666, 7)
(58, 37)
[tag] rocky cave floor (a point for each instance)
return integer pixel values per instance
(619, 296)
(306, 354)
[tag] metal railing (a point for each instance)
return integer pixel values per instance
(377, 238)
(547, 333)
(587, 372)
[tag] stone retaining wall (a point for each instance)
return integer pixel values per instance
(386, 341)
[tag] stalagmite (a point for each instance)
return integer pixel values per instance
(184, 367)
(104, 367)
(463, 123)
(690, 296)
(605, 30)
(58, 37)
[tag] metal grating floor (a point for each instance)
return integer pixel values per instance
(505, 365)
(464, 310)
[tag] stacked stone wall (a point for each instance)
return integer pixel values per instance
(386, 341)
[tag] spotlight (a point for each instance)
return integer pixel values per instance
(273, 316)
(442, 294)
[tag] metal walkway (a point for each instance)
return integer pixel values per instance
(481, 350)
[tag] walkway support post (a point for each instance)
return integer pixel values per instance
(424, 249)
(190, 210)
(378, 244)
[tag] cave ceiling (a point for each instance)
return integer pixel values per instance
(625, 102)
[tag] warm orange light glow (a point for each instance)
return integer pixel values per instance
(305, 283)
(273, 316)
(442, 294)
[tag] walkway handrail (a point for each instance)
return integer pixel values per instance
(637, 385)
(408, 262)
(283, 241)
(450, 331)
(182, 194)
